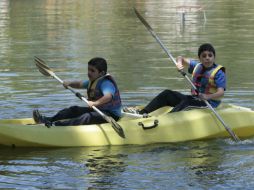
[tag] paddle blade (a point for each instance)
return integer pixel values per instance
(142, 20)
(114, 124)
(117, 128)
(43, 68)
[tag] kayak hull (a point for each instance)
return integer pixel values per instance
(161, 127)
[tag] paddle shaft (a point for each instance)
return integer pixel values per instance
(149, 28)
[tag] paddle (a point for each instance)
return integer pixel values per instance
(45, 70)
(149, 28)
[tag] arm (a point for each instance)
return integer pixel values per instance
(220, 81)
(182, 62)
(103, 100)
(218, 94)
(108, 91)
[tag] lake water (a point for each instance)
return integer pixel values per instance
(67, 34)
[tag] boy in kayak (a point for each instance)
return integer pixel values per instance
(102, 93)
(208, 77)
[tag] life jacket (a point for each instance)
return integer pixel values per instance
(94, 93)
(207, 85)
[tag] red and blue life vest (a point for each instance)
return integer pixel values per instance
(94, 93)
(203, 79)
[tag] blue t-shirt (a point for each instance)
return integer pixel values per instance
(219, 80)
(107, 87)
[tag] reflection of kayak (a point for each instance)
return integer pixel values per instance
(161, 127)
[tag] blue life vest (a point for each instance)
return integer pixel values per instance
(94, 93)
(204, 79)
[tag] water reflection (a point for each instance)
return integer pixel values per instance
(194, 165)
(105, 168)
(212, 164)
(61, 168)
(203, 164)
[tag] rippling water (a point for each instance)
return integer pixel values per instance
(219, 164)
(66, 34)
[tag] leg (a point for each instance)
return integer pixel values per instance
(85, 119)
(71, 112)
(193, 101)
(189, 101)
(165, 98)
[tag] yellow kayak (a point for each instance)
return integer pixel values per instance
(160, 127)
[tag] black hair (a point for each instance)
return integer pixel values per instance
(99, 63)
(206, 47)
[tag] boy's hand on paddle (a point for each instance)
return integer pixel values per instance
(66, 84)
(203, 96)
(179, 64)
(91, 104)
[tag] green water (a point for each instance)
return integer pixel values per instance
(66, 34)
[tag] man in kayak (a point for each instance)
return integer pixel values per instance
(208, 77)
(102, 92)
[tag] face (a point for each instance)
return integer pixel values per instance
(207, 58)
(93, 73)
